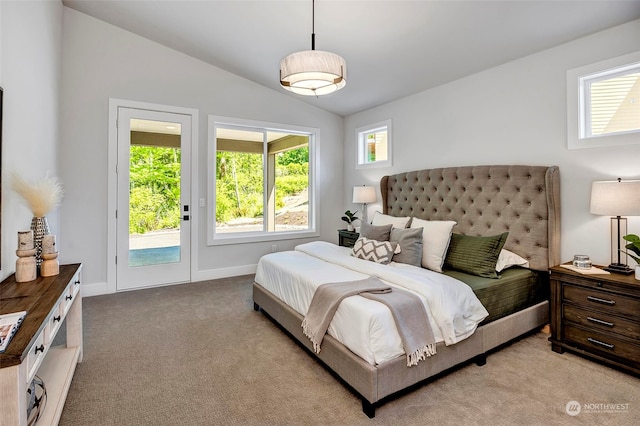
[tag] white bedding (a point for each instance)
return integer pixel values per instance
(364, 326)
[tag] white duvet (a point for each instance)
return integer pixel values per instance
(364, 326)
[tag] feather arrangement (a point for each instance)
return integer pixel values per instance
(41, 196)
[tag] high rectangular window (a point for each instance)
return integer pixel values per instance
(603, 103)
(611, 101)
(374, 145)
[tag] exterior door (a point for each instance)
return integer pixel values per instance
(153, 206)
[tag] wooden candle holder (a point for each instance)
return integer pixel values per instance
(50, 265)
(26, 269)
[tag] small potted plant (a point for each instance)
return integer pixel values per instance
(634, 246)
(350, 218)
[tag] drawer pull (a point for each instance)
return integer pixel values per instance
(39, 349)
(68, 297)
(77, 282)
(598, 342)
(56, 319)
(603, 301)
(601, 322)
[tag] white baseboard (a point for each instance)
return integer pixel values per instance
(88, 290)
(96, 289)
(234, 271)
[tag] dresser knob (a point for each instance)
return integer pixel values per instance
(77, 282)
(56, 319)
(598, 284)
(68, 297)
(39, 349)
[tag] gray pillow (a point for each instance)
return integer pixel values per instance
(378, 233)
(410, 241)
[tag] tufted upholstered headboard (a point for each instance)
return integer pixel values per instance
(486, 200)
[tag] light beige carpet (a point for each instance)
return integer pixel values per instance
(198, 354)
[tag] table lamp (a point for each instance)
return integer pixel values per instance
(363, 195)
(616, 198)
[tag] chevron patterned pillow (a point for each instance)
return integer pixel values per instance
(375, 251)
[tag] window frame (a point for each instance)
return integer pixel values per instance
(215, 238)
(577, 103)
(361, 145)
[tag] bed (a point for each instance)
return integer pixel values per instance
(482, 200)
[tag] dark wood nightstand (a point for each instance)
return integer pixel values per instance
(347, 238)
(597, 316)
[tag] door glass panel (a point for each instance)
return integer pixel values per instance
(154, 193)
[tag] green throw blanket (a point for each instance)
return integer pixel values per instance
(407, 309)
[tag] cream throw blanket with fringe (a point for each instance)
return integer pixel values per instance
(407, 310)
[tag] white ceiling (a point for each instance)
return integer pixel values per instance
(393, 48)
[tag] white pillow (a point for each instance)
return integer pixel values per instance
(435, 241)
(507, 259)
(384, 219)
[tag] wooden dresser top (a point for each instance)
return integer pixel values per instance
(38, 298)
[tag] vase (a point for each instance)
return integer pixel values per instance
(350, 227)
(637, 272)
(40, 228)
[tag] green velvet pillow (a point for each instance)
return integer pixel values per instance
(475, 255)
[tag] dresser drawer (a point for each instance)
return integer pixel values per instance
(605, 323)
(602, 300)
(55, 320)
(68, 296)
(602, 343)
(35, 356)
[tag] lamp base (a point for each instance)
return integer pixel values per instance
(619, 268)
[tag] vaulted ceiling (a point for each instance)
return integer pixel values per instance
(393, 48)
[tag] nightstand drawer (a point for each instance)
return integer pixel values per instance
(602, 343)
(605, 323)
(601, 300)
(347, 238)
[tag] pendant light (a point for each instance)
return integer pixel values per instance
(313, 72)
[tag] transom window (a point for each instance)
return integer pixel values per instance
(603, 103)
(374, 145)
(611, 101)
(261, 179)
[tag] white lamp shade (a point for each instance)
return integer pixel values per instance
(615, 198)
(364, 194)
(313, 72)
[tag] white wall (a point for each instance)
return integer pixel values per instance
(511, 114)
(101, 61)
(30, 52)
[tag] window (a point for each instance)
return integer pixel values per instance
(603, 103)
(374, 145)
(261, 180)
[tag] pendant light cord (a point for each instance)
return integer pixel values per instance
(313, 25)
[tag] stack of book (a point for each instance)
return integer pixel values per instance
(9, 324)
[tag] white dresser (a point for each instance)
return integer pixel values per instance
(49, 302)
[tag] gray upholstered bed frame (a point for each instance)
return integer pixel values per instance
(484, 200)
